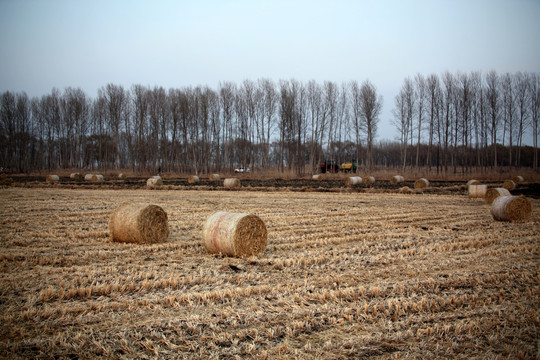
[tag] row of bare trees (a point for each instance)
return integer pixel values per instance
(262, 124)
(463, 117)
(449, 120)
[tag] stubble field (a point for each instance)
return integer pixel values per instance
(345, 275)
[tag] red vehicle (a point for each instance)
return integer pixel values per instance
(329, 166)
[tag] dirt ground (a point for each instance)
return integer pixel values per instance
(347, 273)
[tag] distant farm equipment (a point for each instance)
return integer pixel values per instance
(349, 166)
(330, 166)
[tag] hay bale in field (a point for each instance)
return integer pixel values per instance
(231, 183)
(192, 179)
(477, 191)
(353, 180)
(52, 178)
(369, 180)
(396, 179)
(122, 176)
(405, 190)
(138, 223)
(421, 183)
(154, 181)
(88, 177)
(234, 234)
(214, 177)
(317, 177)
(473, 182)
(98, 178)
(518, 179)
(493, 193)
(511, 208)
(76, 176)
(509, 185)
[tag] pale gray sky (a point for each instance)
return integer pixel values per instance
(89, 43)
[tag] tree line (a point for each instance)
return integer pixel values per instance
(452, 120)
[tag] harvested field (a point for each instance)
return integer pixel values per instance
(344, 275)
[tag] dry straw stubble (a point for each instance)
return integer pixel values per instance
(511, 208)
(493, 193)
(235, 234)
(138, 223)
(477, 191)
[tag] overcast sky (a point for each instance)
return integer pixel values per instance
(90, 43)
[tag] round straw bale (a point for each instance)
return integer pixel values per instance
(509, 185)
(122, 176)
(138, 223)
(421, 183)
(214, 177)
(231, 183)
(317, 177)
(192, 179)
(493, 193)
(52, 178)
(511, 208)
(234, 234)
(98, 178)
(518, 179)
(88, 177)
(154, 181)
(353, 180)
(369, 180)
(397, 179)
(76, 176)
(473, 182)
(477, 191)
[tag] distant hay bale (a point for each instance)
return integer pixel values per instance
(421, 183)
(88, 177)
(473, 182)
(138, 223)
(122, 176)
(317, 177)
(396, 179)
(518, 179)
(214, 177)
(477, 191)
(493, 193)
(369, 180)
(511, 208)
(52, 178)
(235, 234)
(231, 183)
(76, 176)
(353, 180)
(192, 179)
(154, 181)
(405, 190)
(509, 185)
(98, 178)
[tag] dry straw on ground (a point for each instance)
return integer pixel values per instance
(396, 179)
(235, 234)
(369, 180)
(473, 182)
(192, 179)
(518, 179)
(353, 180)
(138, 223)
(477, 191)
(405, 190)
(76, 176)
(52, 178)
(231, 183)
(154, 181)
(317, 177)
(511, 208)
(421, 183)
(509, 185)
(493, 193)
(214, 177)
